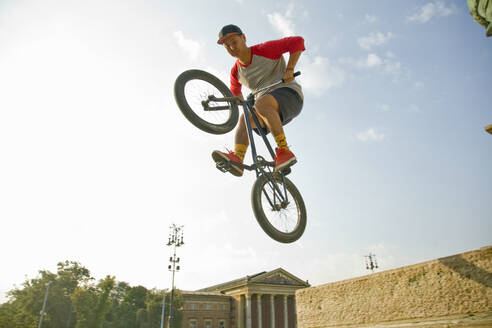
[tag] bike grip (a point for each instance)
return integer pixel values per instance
(295, 74)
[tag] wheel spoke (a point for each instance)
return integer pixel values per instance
(282, 219)
(197, 91)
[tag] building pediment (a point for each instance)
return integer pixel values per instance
(279, 277)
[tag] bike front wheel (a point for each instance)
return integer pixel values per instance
(191, 88)
(279, 209)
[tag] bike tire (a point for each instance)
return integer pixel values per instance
(259, 209)
(206, 83)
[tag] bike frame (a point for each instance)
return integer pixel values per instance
(258, 162)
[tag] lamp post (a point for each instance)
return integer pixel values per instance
(163, 308)
(175, 240)
(42, 313)
(371, 263)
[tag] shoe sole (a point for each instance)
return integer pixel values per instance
(286, 164)
(221, 157)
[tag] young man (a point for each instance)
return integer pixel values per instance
(257, 67)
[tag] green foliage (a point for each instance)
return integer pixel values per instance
(91, 303)
(25, 303)
(75, 300)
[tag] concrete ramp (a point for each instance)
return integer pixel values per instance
(454, 291)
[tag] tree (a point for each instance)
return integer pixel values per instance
(24, 303)
(91, 303)
(76, 301)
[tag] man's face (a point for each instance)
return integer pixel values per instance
(234, 44)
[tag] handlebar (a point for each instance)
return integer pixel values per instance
(274, 84)
(236, 99)
(295, 74)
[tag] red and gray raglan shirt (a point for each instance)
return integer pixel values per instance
(267, 66)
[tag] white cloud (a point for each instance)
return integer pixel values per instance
(305, 15)
(384, 107)
(392, 67)
(371, 19)
(290, 10)
(281, 23)
(414, 108)
(372, 60)
(191, 47)
(432, 9)
(374, 39)
(319, 75)
(419, 85)
(375, 62)
(370, 135)
(389, 54)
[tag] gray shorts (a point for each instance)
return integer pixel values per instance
(290, 105)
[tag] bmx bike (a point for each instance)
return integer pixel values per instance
(209, 105)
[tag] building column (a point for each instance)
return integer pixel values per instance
(286, 316)
(258, 303)
(295, 311)
(272, 311)
(248, 310)
(240, 316)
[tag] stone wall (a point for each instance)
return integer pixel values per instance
(454, 291)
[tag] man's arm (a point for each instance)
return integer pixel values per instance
(294, 45)
(235, 85)
(291, 65)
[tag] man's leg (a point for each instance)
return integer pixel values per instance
(241, 142)
(241, 139)
(268, 109)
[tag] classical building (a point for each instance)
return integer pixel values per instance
(263, 300)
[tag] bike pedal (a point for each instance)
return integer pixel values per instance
(223, 166)
(286, 171)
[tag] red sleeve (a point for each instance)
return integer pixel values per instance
(276, 48)
(235, 85)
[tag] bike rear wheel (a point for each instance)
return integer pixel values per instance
(282, 220)
(194, 86)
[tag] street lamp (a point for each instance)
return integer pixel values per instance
(175, 240)
(42, 313)
(371, 263)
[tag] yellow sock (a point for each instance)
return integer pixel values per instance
(240, 150)
(281, 142)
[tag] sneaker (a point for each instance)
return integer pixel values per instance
(219, 156)
(283, 159)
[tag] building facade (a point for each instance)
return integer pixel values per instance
(263, 300)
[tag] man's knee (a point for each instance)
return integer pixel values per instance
(266, 104)
(242, 121)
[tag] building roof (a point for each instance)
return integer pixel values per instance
(278, 277)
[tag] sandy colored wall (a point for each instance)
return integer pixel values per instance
(454, 291)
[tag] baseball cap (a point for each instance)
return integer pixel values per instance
(228, 30)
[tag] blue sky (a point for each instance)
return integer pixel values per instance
(97, 161)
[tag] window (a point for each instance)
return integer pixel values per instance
(208, 307)
(222, 324)
(193, 306)
(208, 323)
(222, 307)
(193, 323)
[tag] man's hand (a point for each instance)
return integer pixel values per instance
(288, 75)
(291, 64)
